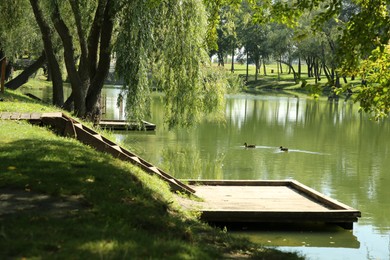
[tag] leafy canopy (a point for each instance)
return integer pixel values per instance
(162, 44)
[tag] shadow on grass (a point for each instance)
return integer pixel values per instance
(123, 218)
(11, 96)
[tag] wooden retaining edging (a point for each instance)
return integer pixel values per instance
(67, 126)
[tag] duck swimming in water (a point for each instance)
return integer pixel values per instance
(284, 149)
(249, 145)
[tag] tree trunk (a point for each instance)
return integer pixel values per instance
(257, 70)
(247, 66)
(280, 64)
(221, 61)
(291, 68)
(55, 71)
(78, 86)
(328, 74)
(8, 70)
(2, 73)
(93, 38)
(232, 68)
(264, 68)
(309, 66)
(299, 67)
(25, 75)
(68, 105)
(93, 97)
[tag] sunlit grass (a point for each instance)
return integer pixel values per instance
(14, 101)
(121, 212)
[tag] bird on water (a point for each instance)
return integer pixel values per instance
(284, 149)
(249, 145)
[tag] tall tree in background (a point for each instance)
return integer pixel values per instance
(254, 39)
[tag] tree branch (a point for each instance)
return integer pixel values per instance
(54, 67)
(25, 75)
(104, 55)
(93, 38)
(77, 16)
(67, 42)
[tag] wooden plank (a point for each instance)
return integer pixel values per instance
(117, 147)
(6, 115)
(51, 114)
(135, 158)
(319, 196)
(277, 216)
(36, 116)
(98, 136)
(25, 116)
(254, 198)
(125, 125)
(240, 182)
(15, 116)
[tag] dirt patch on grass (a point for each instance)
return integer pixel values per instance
(14, 201)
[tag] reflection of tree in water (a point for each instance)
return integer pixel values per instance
(188, 163)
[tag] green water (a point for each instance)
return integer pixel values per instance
(332, 148)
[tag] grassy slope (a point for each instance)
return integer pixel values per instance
(124, 212)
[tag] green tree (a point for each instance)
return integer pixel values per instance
(374, 94)
(362, 47)
(253, 37)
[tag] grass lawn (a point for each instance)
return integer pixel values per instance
(62, 199)
(283, 82)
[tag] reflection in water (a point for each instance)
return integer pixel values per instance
(187, 162)
(277, 150)
(311, 235)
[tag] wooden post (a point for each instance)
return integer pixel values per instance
(2, 74)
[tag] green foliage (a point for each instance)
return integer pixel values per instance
(18, 34)
(214, 10)
(365, 30)
(374, 95)
(161, 44)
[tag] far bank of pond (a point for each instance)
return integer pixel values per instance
(332, 148)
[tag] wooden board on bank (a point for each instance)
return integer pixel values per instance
(286, 201)
(124, 125)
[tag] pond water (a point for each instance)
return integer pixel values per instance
(332, 148)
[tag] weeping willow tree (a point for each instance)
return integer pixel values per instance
(162, 44)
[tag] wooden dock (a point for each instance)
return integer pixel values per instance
(123, 125)
(285, 201)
